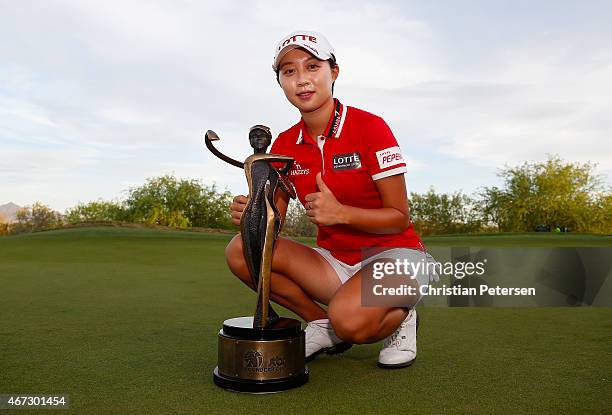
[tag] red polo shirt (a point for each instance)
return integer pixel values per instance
(357, 149)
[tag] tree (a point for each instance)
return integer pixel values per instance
(297, 222)
(98, 211)
(37, 217)
(434, 213)
(169, 201)
(4, 225)
(554, 193)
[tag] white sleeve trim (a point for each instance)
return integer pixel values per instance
(388, 173)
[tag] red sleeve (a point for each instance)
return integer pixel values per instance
(383, 157)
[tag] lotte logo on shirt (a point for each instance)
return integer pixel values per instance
(389, 157)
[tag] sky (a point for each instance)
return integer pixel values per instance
(98, 96)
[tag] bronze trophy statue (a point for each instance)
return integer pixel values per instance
(265, 352)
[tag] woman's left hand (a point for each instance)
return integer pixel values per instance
(322, 207)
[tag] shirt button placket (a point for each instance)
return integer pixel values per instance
(321, 143)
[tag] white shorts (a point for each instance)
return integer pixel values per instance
(345, 271)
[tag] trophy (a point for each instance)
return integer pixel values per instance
(264, 352)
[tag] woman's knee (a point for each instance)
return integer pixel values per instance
(352, 327)
(234, 256)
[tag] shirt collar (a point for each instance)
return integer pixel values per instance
(334, 125)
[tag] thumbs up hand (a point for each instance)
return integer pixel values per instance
(322, 207)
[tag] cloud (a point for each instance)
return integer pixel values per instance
(554, 108)
(97, 96)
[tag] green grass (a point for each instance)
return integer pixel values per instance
(125, 321)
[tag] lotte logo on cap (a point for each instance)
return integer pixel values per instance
(294, 39)
(313, 42)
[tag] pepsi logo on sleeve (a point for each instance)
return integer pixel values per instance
(389, 157)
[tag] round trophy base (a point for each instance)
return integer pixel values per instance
(250, 386)
(260, 360)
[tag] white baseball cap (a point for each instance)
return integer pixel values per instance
(313, 42)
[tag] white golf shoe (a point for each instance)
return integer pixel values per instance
(399, 349)
(320, 337)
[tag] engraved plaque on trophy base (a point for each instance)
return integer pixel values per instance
(261, 360)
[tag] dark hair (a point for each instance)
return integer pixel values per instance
(332, 64)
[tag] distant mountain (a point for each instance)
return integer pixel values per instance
(9, 211)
